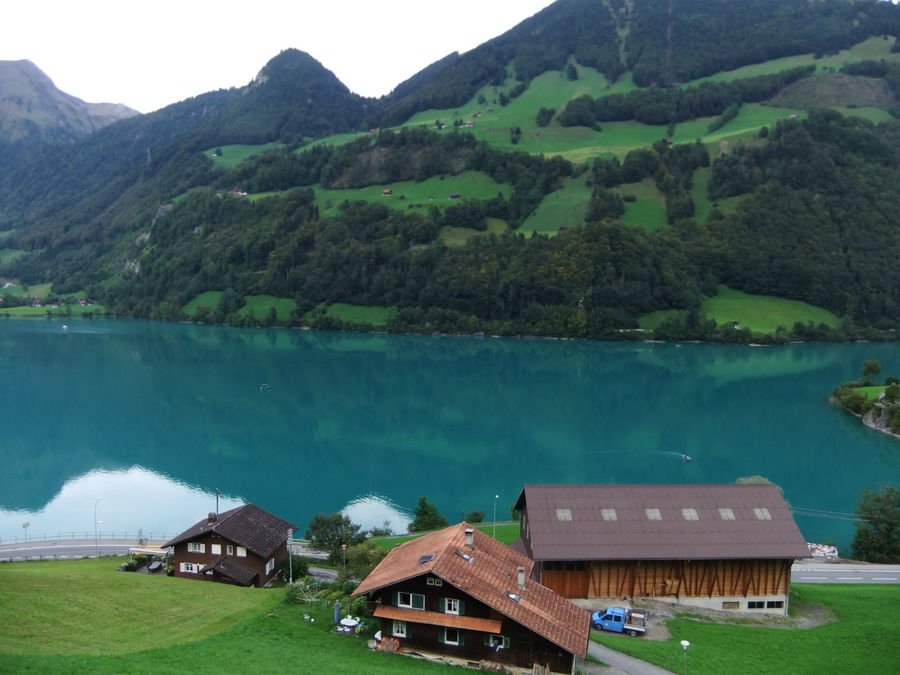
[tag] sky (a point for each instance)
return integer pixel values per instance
(150, 53)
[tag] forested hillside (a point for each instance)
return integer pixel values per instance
(662, 188)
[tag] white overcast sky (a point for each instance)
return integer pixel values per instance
(150, 54)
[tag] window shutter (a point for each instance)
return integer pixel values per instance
(462, 606)
(506, 643)
(459, 638)
(487, 640)
(442, 634)
(442, 604)
(395, 598)
(408, 629)
(418, 601)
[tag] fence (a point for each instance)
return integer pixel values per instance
(69, 536)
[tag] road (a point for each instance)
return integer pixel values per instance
(69, 548)
(844, 573)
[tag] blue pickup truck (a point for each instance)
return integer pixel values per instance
(621, 620)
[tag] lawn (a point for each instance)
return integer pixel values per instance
(505, 532)
(84, 617)
(871, 393)
(457, 236)
(61, 311)
(259, 306)
(232, 155)
(377, 316)
(865, 637)
(563, 208)
(649, 208)
(209, 299)
(759, 313)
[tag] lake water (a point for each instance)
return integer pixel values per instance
(153, 418)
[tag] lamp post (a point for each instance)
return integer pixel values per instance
(496, 497)
(685, 644)
(96, 543)
(290, 541)
(344, 554)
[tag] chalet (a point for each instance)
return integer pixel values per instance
(243, 546)
(387, 193)
(726, 547)
(462, 595)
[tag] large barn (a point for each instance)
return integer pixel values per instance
(726, 547)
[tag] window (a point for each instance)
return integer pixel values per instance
(731, 604)
(451, 606)
(762, 513)
(241, 552)
(411, 600)
(399, 629)
(270, 566)
(215, 549)
(434, 582)
(196, 547)
(775, 604)
(755, 604)
(653, 514)
(608, 514)
(452, 636)
(189, 567)
(726, 514)
(564, 515)
(689, 514)
(229, 549)
(496, 642)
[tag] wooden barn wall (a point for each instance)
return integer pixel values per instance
(674, 578)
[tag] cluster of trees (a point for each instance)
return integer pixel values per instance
(877, 536)
(883, 410)
(664, 106)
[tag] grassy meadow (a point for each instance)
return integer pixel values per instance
(505, 532)
(862, 638)
(232, 155)
(377, 316)
(759, 313)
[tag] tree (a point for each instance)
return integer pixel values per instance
(327, 533)
(427, 517)
(870, 368)
(877, 537)
(361, 559)
(474, 517)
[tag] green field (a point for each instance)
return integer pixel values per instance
(34, 291)
(759, 313)
(563, 208)
(232, 155)
(259, 306)
(209, 299)
(10, 254)
(410, 195)
(457, 236)
(871, 393)
(864, 638)
(377, 316)
(82, 616)
(505, 532)
(649, 208)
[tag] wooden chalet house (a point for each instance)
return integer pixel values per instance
(243, 546)
(460, 594)
(725, 547)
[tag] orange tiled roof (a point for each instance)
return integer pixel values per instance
(438, 619)
(488, 575)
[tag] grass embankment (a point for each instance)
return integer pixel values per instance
(864, 638)
(505, 532)
(759, 313)
(84, 617)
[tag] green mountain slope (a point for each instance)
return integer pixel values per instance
(530, 186)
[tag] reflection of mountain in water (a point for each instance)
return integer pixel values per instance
(455, 419)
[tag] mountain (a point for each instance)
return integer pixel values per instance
(600, 162)
(32, 108)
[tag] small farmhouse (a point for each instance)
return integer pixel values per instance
(243, 546)
(726, 547)
(460, 594)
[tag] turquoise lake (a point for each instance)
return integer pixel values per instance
(153, 418)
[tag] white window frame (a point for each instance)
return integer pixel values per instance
(447, 640)
(451, 606)
(215, 549)
(270, 566)
(241, 552)
(411, 604)
(188, 568)
(196, 547)
(399, 629)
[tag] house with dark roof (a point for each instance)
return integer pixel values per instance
(726, 547)
(463, 595)
(243, 546)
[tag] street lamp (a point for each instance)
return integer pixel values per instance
(290, 542)
(685, 644)
(496, 497)
(96, 543)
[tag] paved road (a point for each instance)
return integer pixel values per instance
(620, 664)
(69, 548)
(844, 573)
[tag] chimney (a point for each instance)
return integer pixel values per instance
(470, 537)
(211, 518)
(521, 577)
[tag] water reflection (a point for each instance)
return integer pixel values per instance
(373, 511)
(130, 500)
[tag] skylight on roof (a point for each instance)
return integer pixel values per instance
(726, 513)
(762, 513)
(465, 556)
(653, 514)
(608, 514)
(564, 515)
(689, 514)
(426, 558)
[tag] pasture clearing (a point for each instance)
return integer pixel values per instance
(413, 196)
(565, 207)
(649, 208)
(871, 393)
(457, 236)
(210, 299)
(377, 316)
(232, 155)
(259, 307)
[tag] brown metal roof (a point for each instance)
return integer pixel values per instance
(249, 526)
(237, 571)
(659, 522)
(488, 575)
(438, 619)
